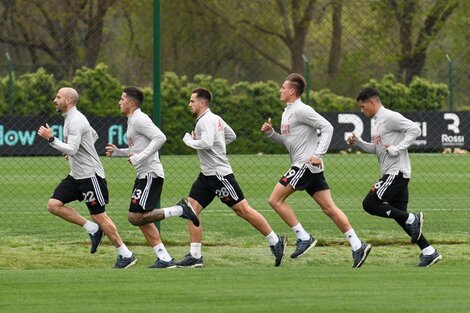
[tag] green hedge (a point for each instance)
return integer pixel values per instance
(245, 106)
(421, 95)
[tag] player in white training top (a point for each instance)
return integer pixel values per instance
(209, 139)
(86, 180)
(392, 134)
(144, 139)
(299, 126)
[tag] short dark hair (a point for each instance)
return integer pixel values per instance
(135, 93)
(298, 83)
(203, 93)
(367, 93)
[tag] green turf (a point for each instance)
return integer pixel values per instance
(440, 188)
(243, 280)
(45, 265)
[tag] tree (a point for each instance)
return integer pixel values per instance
(417, 29)
(335, 49)
(93, 17)
(55, 30)
(290, 25)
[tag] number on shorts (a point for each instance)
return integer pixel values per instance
(222, 193)
(289, 173)
(89, 196)
(137, 194)
(378, 184)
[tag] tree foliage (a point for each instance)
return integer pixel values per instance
(67, 33)
(99, 90)
(420, 95)
(346, 43)
(287, 26)
(415, 25)
(33, 94)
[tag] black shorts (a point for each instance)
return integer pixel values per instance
(93, 190)
(303, 179)
(392, 189)
(205, 188)
(146, 194)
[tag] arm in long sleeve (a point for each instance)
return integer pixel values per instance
(74, 139)
(365, 146)
(157, 139)
(94, 134)
(275, 136)
(207, 137)
(326, 133)
(411, 131)
(318, 122)
(123, 152)
(230, 135)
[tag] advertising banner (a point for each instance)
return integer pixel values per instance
(18, 135)
(439, 130)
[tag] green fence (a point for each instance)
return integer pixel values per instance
(242, 50)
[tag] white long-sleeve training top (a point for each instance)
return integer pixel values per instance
(79, 145)
(212, 136)
(393, 129)
(299, 126)
(144, 139)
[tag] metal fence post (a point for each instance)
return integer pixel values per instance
(156, 112)
(10, 86)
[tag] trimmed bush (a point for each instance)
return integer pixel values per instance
(245, 106)
(421, 95)
(33, 94)
(99, 91)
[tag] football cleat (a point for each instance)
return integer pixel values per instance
(163, 264)
(188, 211)
(190, 261)
(278, 250)
(360, 255)
(303, 246)
(428, 260)
(122, 262)
(414, 229)
(96, 240)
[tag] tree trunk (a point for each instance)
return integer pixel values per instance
(94, 34)
(335, 49)
(412, 58)
(297, 61)
(404, 18)
(415, 66)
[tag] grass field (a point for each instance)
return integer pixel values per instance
(45, 265)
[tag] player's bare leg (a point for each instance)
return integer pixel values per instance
(69, 214)
(245, 211)
(277, 243)
(109, 228)
(277, 201)
(195, 233)
(360, 250)
(125, 256)
(152, 235)
(141, 219)
(325, 201)
(181, 209)
(194, 257)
